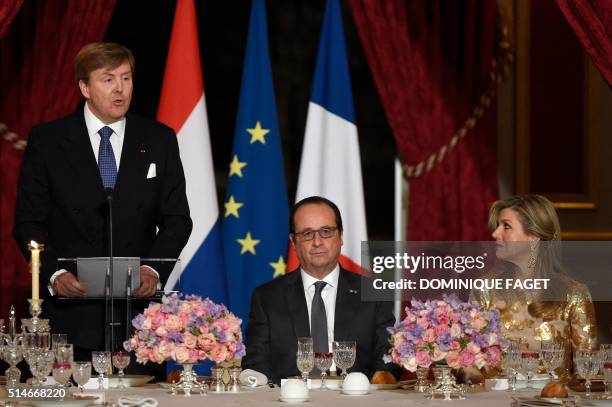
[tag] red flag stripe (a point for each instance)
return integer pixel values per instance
(180, 95)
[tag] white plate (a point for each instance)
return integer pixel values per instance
(385, 386)
(293, 400)
(129, 380)
(355, 392)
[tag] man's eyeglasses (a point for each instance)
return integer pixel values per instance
(325, 233)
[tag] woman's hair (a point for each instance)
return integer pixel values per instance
(539, 218)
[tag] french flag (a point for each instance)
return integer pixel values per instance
(331, 165)
(182, 106)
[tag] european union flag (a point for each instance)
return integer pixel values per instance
(255, 222)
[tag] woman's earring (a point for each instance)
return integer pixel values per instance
(531, 262)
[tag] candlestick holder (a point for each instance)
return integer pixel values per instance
(35, 324)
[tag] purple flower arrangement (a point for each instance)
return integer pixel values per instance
(446, 331)
(186, 329)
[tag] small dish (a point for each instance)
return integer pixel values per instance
(385, 386)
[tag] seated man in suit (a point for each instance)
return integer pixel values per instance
(69, 168)
(321, 300)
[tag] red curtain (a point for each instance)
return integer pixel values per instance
(431, 62)
(36, 84)
(591, 20)
(8, 9)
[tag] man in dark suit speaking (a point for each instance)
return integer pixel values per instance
(320, 300)
(72, 164)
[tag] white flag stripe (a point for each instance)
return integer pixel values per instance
(331, 167)
(194, 147)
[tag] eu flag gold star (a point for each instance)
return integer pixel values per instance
(280, 267)
(236, 167)
(231, 207)
(257, 133)
(248, 244)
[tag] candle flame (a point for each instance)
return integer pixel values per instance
(33, 244)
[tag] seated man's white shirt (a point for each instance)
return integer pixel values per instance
(328, 294)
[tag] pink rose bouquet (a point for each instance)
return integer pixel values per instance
(186, 329)
(446, 331)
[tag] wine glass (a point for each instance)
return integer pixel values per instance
(64, 353)
(529, 361)
(344, 355)
(58, 339)
(61, 373)
(323, 361)
(585, 364)
(305, 357)
(101, 361)
(511, 362)
(81, 373)
(41, 363)
(552, 358)
(121, 360)
(606, 349)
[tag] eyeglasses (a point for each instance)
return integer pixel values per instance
(325, 233)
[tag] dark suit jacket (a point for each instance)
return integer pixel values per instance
(279, 316)
(61, 203)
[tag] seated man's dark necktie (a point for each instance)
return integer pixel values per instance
(318, 322)
(106, 158)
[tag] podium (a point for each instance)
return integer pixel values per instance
(116, 281)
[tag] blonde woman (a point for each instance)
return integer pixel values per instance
(527, 231)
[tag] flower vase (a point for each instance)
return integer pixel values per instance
(444, 386)
(188, 382)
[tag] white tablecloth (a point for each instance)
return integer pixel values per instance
(270, 397)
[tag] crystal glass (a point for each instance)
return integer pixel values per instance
(101, 361)
(41, 363)
(58, 339)
(64, 353)
(81, 373)
(121, 360)
(529, 361)
(552, 359)
(323, 361)
(607, 373)
(305, 357)
(511, 362)
(344, 355)
(586, 364)
(61, 373)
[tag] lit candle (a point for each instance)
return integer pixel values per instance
(35, 262)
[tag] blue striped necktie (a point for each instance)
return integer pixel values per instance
(106, 158)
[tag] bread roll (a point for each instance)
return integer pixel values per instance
(383, 377)
(554, 389)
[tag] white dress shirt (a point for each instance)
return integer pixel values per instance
(328, 294)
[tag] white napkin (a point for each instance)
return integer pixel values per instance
(253, 378)
(133, 401)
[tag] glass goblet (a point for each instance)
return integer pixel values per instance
(607, 373)
(81, 373)
(61, 373)
(323, 361)
(305, 357)
(552, 359)
(529, 361)
(41, 365)
(585, 364)
(64, 353)
(345, 353)
(101, 361)
(121, 360)
(58, 339)
(511, 362)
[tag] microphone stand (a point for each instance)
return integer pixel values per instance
(109, 294)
